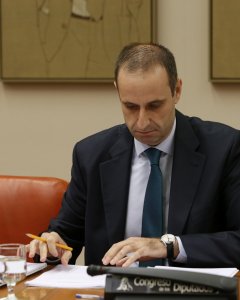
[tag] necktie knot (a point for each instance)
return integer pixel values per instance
(153, 155)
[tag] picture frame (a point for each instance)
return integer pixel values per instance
(224, 41)
(70, 40)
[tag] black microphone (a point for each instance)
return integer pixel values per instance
(216, 281)
(94, 270)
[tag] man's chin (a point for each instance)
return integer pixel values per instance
(147, 141)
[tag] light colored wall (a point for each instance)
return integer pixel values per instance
(184, 28)
(40, 123)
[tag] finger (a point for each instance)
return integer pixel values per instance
(33, 248)
(51, 243)
(148, 249)
(52, 248)
(43, 251)
(123, 252)
(131, 259)
(121, 261)
(134, 251)
(121, 249)
(66, 257)
(109, 255)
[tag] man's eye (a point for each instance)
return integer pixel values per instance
(131, 106)
(155, 105)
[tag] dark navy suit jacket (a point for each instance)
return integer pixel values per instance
(204, 209)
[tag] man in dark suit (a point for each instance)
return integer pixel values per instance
(200, 163)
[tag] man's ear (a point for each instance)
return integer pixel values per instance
(178, 90)
(115, 84)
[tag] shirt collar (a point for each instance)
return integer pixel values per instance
(165, 146)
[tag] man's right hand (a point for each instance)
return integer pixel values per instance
(49, 249)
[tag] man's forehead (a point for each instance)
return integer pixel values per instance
(156, 74)
(140, 70)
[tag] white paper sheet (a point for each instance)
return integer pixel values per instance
(35, 267)
(228, 272)
(71, 276)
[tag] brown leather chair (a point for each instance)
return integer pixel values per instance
(27, 204)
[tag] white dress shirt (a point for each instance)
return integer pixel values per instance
(140, 171)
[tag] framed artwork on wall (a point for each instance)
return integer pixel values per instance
(225, 41)
(70, 40)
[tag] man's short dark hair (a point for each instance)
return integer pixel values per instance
(144, 56)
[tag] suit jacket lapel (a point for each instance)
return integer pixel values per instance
(186, 173)
(115, 175)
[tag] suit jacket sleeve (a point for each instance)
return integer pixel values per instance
(211, 232)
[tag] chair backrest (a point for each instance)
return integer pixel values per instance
(27, 204)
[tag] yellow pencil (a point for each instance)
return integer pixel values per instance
(32, 236)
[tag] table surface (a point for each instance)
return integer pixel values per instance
(37, 293)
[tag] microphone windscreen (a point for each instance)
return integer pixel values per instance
(96, 270)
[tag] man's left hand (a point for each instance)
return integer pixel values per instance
(134, 249)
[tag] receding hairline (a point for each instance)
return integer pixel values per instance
(141, 57)
(124, 70)
(144, 57)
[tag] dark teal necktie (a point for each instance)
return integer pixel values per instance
(152, 220)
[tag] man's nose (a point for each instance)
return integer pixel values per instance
(143, 119)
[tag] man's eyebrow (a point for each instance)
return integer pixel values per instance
(156, 101)
(129, 102)
(152, 101)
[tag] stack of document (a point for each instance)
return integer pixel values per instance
(71, 276)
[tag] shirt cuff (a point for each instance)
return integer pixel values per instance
(182, 256)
